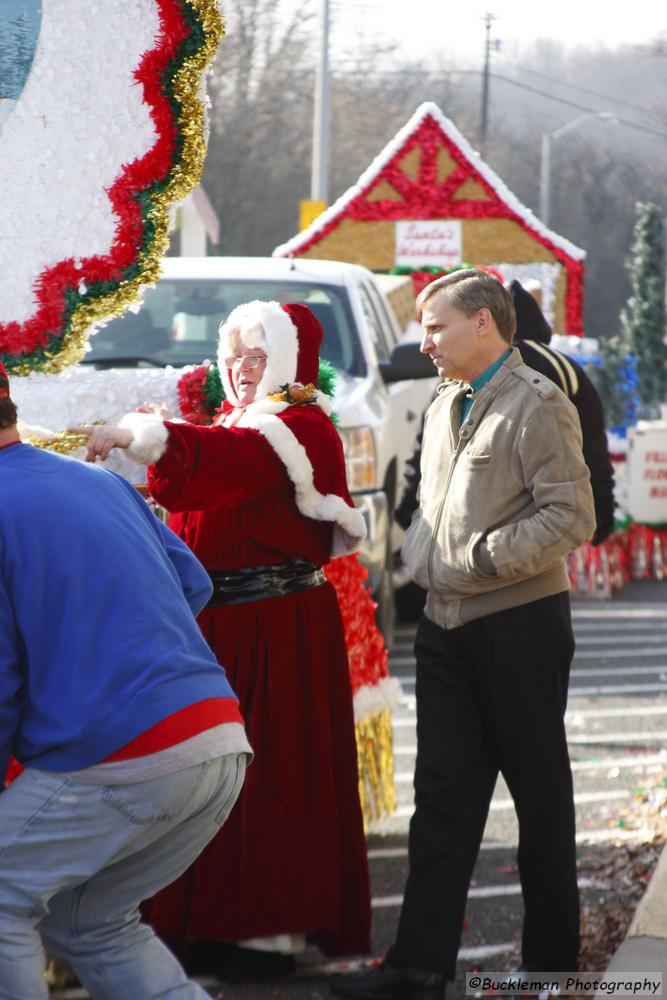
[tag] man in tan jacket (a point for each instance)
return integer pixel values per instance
(505, 494)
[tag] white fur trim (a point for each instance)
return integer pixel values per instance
(311, 503)
(280, 341)
(387, 693)
(265, 405)
(150, 437)
(343, 543)
(324, 402)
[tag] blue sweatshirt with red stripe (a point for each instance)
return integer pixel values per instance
(98, 639)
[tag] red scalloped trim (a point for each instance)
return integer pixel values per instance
(425, 198)
(51, 285)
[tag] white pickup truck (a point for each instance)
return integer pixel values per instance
(383, 384)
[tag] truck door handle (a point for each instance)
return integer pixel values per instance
(410, 415)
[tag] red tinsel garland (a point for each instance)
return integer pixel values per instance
(191, 397)
(365, 645)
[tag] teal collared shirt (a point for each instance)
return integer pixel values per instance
(481, 380)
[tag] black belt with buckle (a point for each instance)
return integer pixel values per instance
(260, 583)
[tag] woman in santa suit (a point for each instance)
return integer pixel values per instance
(262, 500)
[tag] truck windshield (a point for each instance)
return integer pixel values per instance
(178, 322)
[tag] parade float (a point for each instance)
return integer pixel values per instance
(94, 164)
(428, 201)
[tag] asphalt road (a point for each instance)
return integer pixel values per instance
(617, 730)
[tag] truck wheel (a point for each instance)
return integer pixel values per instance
(384, 614)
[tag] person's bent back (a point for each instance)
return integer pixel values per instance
(98, 600)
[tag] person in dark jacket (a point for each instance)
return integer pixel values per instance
(532, 338)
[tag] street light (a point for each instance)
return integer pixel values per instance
(545, 164)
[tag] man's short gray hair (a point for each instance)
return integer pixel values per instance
(471, 289)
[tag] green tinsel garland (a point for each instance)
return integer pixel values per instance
(213, 390)
(429, 269)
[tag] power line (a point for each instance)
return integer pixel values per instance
(513, 83)
(579, 107)
(574, 86)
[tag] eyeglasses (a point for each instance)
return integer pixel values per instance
(247, 360)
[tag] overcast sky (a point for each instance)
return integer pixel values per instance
(425, 28)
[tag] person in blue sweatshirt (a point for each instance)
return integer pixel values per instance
(129, 734)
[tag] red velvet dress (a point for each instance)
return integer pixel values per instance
(292, 855)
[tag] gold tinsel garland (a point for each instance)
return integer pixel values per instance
(184, 177)
(375, 754)
(295, 394)
(64, 442)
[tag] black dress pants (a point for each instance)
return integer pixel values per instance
(491, 696)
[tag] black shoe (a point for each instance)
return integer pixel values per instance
(250, 965)
(389, 982)
(202, 958)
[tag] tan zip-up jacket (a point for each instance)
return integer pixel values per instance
(503, 497)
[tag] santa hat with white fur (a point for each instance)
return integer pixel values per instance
(265, 325)
(290, 336)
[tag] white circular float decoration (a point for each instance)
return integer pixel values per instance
(106, 135)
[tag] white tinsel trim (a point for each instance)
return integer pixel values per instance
(387, 693)
(150, 437)
(324, 220)
(280, 342)
(309, 500)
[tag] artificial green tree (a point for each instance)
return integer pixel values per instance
(643, 318)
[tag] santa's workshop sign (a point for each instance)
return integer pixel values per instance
(434, 241)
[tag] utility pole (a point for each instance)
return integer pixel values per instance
(484, 123)
(319, 178)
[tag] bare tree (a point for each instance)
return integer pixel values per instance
(259, 151)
